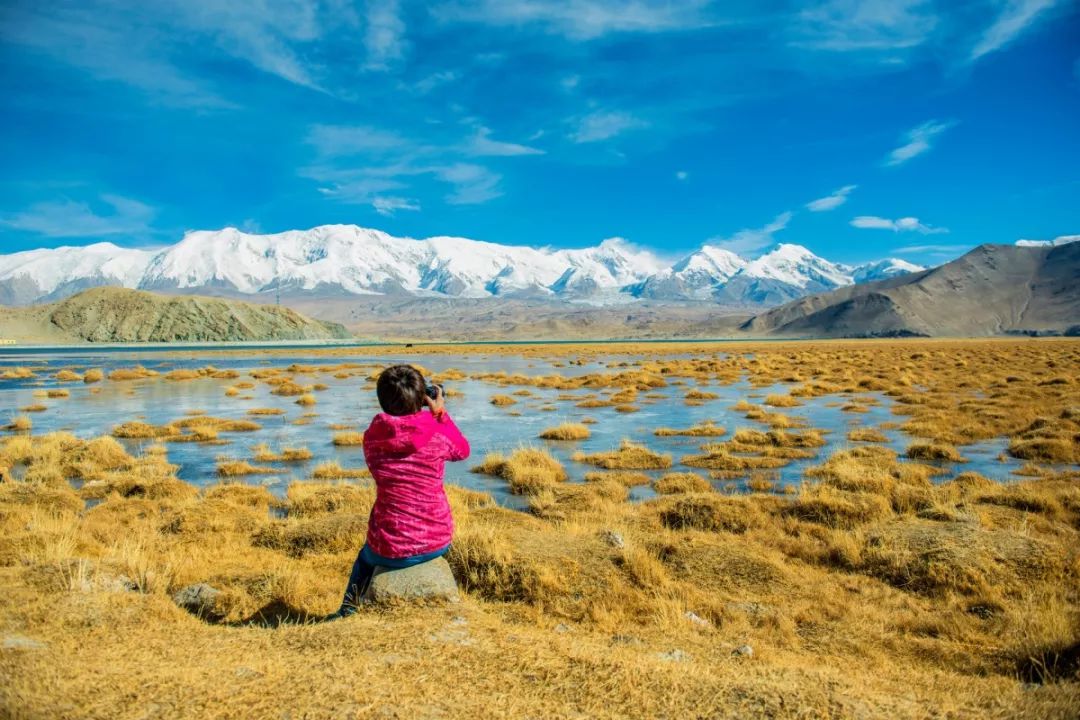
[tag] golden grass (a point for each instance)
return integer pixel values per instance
(629, 456)
(628, 478)
(20, 423)
(237, 468)
(348, 439)
(306, 400)
(527, 470)
(57, 393)
(36, 407)
(872, 592)
(502, 400)
(263, 454)
(867, 435)
(266, 411)
(704, 429)
(681, 482)
(67, 376)
(782, 401)
(133, 373)
(93, 375)
(934, 451)
(566, 431)
(332, 470)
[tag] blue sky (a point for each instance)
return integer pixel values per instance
(910, 128)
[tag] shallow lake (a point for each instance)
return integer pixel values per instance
(93, 410)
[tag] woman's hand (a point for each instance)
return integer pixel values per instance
(438, 405)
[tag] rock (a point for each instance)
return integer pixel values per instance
(697, 619)
(562, 628)
(199, 599)
(428, 582)
(675, 655)
(612, 538)
(744, 651)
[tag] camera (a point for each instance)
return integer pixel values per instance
(433, 391)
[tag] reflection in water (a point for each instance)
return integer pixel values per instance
(94, 410)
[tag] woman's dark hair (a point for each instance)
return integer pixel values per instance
(401, 390)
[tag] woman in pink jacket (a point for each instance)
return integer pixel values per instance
(405, 448)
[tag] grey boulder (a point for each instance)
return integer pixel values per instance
(429, 582)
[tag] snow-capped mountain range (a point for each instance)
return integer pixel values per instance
(345, 259)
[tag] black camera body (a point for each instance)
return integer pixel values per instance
(433, 391)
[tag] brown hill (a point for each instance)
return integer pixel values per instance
(992, 290)
(109, 314)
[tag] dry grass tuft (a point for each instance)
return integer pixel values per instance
(502, 400)
(348, 439)
(704, 429)
(867, 435)
(629, 456)
(681, 482)
(527, 470)
(935, 452)
(566, 431)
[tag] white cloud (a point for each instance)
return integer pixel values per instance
(682, 175)
(114, 215)
(604, 124)
(481, 144)
(341, 140)
(390, 205)
(751, 239)
(831, 201)
(904, 224)
(865, 25)
(473, 184)
(931, 249)
(580, 19)
(917, 141)
(1017, 16)
(138, 45)
(384, 36)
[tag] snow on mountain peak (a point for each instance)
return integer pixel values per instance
(796, 265)
(362, 261)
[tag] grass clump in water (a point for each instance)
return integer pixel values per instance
(566, 431)
(629, 456)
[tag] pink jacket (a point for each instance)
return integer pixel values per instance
(405, 454)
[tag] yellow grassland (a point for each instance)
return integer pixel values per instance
(873, 591)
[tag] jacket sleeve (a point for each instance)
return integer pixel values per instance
(459, 446)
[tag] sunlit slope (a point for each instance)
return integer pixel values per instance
(110, 314)
(992, 290)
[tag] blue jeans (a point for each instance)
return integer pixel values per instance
(364, 569)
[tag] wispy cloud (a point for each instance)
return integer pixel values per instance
(384, 36)
(1016, 17)
(109, 215)
(481, 145)
(682, 175)
(917, 141)
(604, 124)
(831, 201)
(904, 224)
(388, 205)
(865, 25)
(473, 184)
(371, 166)
(750, 239)
(140, 46)
(343, 140)
(937, 250)
(580, 19)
